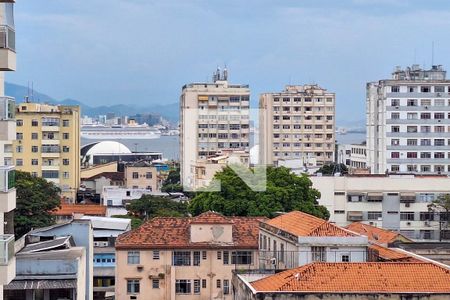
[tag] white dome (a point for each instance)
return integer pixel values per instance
(108, 147)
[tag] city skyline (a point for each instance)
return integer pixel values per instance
(143, 59)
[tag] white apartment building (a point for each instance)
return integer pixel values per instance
(213, 117)
(394, 202)
(297, 124)
(408, 122)
(7, 135)
(353, 156)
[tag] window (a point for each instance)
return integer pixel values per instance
(19, 123)
(411, 154)
(411, 129)
(241, 257)
(425, 168)
(426, 216)
(318, 253)
(219, 255)
(411, 102)
(395, 116)
(148, 175)
(34, 123)
(425, 116)
(19, 162)
(50, 174)
(196, 286)
(425, 89)
(65, 149)
(34, 149)
(439, 154)
(65, 123)
(155, 284)
(34, 136)
(65, 136)
(439, 89)
(345, 258)
(339, 212)
(204, 255)
(133, 286)
(395, 168)
(439, 102)
(196, 258)
(218, 283)
(34, 162)
(439, 142)
(425, 155)
(182, 286)
(425, 102)
(411, 142)
(395, 142)
(439, 116)
(407, 216)
(226, 257)
(374, 215)
(66, 161)
(133, 257)
(203, 283)
(19, 136)
(66, 175)
(135, 175)
(395, 89)
(156, 254)
(411, 116)
(226, 286)
(395, 154)
(395, 128)
(19, 149)
(181, 258)
(425, 142)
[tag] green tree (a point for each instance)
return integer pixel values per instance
(148, 207)
(36, 198)
(285, 192)
(331, 169)
(172, 182)
(441, 205)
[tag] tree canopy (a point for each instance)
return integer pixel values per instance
(36, 198)
(149, 206)
(172, 182)
(285, 192)
(331, 169)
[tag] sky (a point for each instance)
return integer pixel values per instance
(141, 52)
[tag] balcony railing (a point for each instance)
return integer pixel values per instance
(6, 248)
(50, 149)
(7, 38)
(7, 108)
(7, 178)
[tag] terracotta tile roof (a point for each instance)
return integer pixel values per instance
(389, 254)
(174, 233)
(115, 176)
(85, 209)
(376, 234)
(381, 277)
(302, 224)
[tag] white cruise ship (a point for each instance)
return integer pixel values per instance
(132, 132)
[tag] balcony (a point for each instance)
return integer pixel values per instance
(7, 259)
(7, 188)
(7, 48)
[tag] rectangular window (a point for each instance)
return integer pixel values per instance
(182, 286)
(345, 258)
(241, 257)
(196, 258)
(34, 149)
(395, 154)
(425, 89)
(156, 254)
(65, 136)
(148, 175)
(19, 162)
(218, 283)
(411, 154)
(395, 116)
(411, 129)
(318, 253)
(155, 284)
(226, 257)
(196, 286)
(34, 136)
(204, 255)
(407, 216)
(226, 286)
(66, 161)
(439, 116)
(411, 102)
(133, 257)
(135, 175)
(439, 142)
(34, 123)
(395, 128)
(65, 123)
(34, 162)
(374, 215)
(133, 286)
(181, 258)
(411, 142)
(425, 116)
(395, 89)
(219, 254)
(203, 283)
(425, 142)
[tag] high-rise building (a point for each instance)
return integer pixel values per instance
(214, 117)
(297, 124)
(408, 122)
(7, 135)
(48, 144)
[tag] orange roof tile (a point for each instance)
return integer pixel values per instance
(381, 277)
(376, 234)
(174, 233)
(85, 209)
(389, 254)
(302, 224)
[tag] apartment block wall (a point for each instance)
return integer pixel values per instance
(142, 178)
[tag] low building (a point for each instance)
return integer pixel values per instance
(182, 258)
(296, 238)
(318, 280)
(354, 156)
(68, 212)
(105, 231)
(378, 235)
(46, 268)
(118, 196)
(142, 175)
(437, 251)
(394, 202)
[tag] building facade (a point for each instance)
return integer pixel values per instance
(7, 136)
(142, 175)
(297, 123)
(185, 258)
(394, 202)
(408, 122)
(213, 117)
(354, 156)
(48, 144)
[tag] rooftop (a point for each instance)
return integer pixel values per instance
(390, 254)
(390, 277)
(302, 224)
(172, 232)
(115, 176)
(376, 234)
(85, 209)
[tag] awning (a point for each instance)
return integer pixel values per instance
(45, 284)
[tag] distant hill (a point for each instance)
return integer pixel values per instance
(169, 112)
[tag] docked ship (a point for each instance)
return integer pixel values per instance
(131, 132)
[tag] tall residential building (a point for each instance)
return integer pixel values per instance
(48, 144)
(7, 135)
(297, 124)
(408, 122)
(214, 117)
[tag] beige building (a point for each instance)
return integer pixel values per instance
(297, 124)
(213, 117)
(142, 175)
(185, 258)
(7, 135)
(394, 202)
(48, 144)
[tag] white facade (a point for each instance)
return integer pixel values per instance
(353, 156)
(116, 196)
(408, 122)
(394, 202)
(213, 117)
(297, 123)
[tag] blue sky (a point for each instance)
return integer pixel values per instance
(142, 51)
